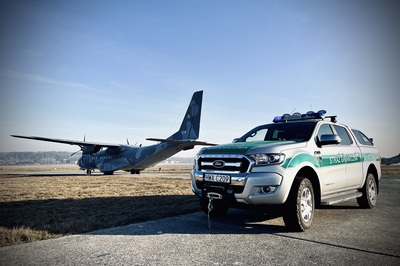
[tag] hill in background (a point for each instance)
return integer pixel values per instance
(392, 160)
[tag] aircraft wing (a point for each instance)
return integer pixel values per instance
(189, 142)
(71, 142)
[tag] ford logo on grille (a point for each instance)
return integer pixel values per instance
(218, 164)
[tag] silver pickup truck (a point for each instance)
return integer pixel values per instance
(293, 164)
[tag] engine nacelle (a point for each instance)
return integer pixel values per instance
(89, 149)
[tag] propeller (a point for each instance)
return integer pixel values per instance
(75, 153)
(84, 140)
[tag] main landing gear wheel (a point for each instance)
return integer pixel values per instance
(108, 173)
(299, 210)
(369, 193)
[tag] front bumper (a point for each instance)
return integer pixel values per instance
(261, 188)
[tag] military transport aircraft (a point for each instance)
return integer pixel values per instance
(134, 158)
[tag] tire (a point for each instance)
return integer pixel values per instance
(369, 193)
(300, 205)
(220, 207)
(108, 173)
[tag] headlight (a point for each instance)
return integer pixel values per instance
(265, 158)
(195, 164)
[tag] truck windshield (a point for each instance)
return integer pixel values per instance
(294, 131)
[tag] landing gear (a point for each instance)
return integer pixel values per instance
(108, 173)
(88, 171)
(135, 172)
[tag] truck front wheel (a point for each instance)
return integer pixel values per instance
(299, 210)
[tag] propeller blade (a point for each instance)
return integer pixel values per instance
(75, 153)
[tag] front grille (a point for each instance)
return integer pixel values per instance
(223, 163)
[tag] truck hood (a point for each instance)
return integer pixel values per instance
(255, 147)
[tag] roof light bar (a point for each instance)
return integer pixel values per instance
(298, 116)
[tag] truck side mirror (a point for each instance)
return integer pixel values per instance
(328, 139)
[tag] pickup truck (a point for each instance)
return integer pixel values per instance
(294, 164)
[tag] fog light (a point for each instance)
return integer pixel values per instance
(268, 189)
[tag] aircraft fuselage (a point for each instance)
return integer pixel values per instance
(128, 158)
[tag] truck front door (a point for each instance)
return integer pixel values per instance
(333, 167)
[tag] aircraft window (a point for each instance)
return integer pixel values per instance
(344, 135)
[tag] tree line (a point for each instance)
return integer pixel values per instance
(57, 157)
(40, 157)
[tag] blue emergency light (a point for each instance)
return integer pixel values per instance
(298, 116)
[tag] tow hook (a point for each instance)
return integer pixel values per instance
(211, 196)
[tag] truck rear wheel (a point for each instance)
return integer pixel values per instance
(299, 210)
(369, 193)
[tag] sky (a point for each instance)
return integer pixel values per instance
(109, 71)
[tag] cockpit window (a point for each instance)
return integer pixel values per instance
(294, 131)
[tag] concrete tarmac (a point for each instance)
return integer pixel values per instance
(341, 235)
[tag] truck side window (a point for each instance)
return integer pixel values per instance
(362, 138)
(343, 134)
(324, 129)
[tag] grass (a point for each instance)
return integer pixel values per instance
(36, 207)
(392, 170)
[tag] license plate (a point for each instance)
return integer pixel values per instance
(226, 179)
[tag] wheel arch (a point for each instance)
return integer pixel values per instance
(309, 172)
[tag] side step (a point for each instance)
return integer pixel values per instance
(333, 199)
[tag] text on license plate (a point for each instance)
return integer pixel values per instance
(217, 178)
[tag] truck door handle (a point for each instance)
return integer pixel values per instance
(318, 155)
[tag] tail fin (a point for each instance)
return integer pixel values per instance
(190, 127)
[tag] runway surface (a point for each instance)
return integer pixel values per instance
(341, 235)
